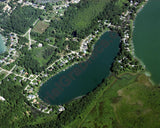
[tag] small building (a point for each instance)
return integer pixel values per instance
(42, 7)
(1, 98)
(31, 97)
(61, 108)
(40, 45)
(7, 7)
(20, 1)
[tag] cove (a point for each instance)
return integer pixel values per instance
(83, 77)
(2, 45)
(146, 38)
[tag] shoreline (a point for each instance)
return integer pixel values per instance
(133, 27)
(90, 54)
(70, 66)
(147, 73)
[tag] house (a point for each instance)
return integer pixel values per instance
(7, 7)
(1, 98)
(61, 108)
(20, 1)
(40, 45)
(31, 96)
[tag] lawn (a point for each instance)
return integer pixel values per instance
(130, 101)
(40, 27)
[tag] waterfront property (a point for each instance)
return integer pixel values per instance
(124, 63)
(84, 77)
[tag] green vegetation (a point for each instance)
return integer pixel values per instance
(86, 13)
(30, 64)
(1, 7)
(15, 108)
(126, 101)
(21, 19)
(79, 21)
(40, 27)
(22, 40)
(43, 55)
(129, 101)
(37, 59)
(121, 101)
(65, 32)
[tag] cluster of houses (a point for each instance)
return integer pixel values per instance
(87, 40)
(64, 60)
(125, 17)
(31, 92)
(133, 4)
(2, 98)
(7, 8)
(73, 1)
(31, 4)
(84, 44)
(33, 97)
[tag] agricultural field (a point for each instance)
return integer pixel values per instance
(40, 27)
(130, 101)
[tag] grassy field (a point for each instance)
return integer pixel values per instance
(40, 27)
(84, 16)
(39, 54)
(130, 101)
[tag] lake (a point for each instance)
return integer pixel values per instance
(146, 38)
(83, 77)
(2, 45)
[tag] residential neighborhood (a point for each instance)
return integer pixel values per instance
(8, 62)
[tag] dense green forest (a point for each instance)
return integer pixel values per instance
(15, 111)
(20, 20)
(127, 100)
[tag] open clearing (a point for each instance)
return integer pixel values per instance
(130, 101)
(40, 27)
